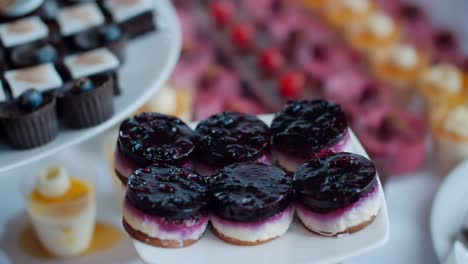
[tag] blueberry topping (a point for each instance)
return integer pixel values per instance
(110, 33)
(336, 181)
(46, 54)
(250, 192)
(31, 100)
(82, 85)
(153, 137)
(307, 127)
(231, 137)
(168, 191)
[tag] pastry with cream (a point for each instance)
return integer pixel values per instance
(251, 203)
(166, 206)
(343, 13)
(62, 209)
(375, 34)
(337, 194)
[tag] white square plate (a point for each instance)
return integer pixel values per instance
(297, 246)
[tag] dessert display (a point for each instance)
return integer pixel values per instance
(52, 46)
(166, 206)
(152, 138)
(337, 194)
(62, 209)
(306, 129)
(87, 101)
(251, 203)
(229, 138)
(30, 120)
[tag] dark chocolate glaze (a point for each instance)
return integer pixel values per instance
(307, 127)
(152, 137)
(231, 137)
(250, 192)
(167, 191)
(335, 181)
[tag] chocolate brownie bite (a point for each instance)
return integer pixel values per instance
(23, 31)
(34, 54)
(305, 129)
(251, 203)
(87, 102)
(30, 120)
(110, 36)
(337, 194)
(91, 63)
(229, 138)
(43, 78)
(135, 17)
(166, 206)
(152, 138)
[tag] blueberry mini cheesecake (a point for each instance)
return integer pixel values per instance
(337, 194)
(152, 138)
(30, 120)
(87, 102)
(229, 138)
(251, 203)
(305, 129)
(166, 206)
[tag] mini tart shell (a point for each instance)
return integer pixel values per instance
(437, 97)
(33, 129)
(365, 42)
(140, 236)
(90, 108)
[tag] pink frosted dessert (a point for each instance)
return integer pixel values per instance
(416, 23)
(397, 143)
(152, 138)
(255, 214)
(306, 129)
(166, 206)
(228, 138)
(337, 194)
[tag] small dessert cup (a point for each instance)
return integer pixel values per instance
(64, 224)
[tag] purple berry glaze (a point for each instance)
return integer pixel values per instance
(250, 192)
(167, 191)
(303, 128)
(231, 137)
(156, 138)
(336, 181)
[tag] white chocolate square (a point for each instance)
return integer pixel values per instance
(78, 18)
(122, 10)
(91, 62)
(23, 31)
(42, 78)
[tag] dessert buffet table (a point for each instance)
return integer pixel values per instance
(409, 200)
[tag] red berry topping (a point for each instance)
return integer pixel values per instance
(242, 35)
(221, 12)
(271, 60)
(292, 84)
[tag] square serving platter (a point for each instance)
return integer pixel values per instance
(297, 246)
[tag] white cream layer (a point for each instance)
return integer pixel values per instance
(331, 224)
(78, 18)
(151, 227)
(122, 10)
(91, 63)
(273, 227)
(23, 31)
(42, 78)
(21, 7)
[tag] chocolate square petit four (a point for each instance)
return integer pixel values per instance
(14, 9)
(91, 63)
(42, 77)
(135, 16)
(23, 31)
(78, 18)
(34, 54)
